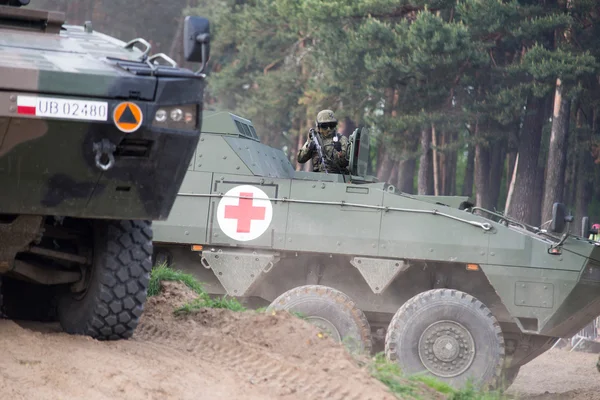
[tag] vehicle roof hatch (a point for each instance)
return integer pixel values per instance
(359, 152)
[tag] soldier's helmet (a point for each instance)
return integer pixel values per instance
(326, 116)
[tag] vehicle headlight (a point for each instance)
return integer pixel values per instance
(176, 117)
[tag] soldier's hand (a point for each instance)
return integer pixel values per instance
(337, 146)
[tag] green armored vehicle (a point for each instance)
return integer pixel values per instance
(95, 139)
(452, 290)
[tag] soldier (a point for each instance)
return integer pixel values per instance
(334, 146)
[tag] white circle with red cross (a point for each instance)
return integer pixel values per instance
(244, 213)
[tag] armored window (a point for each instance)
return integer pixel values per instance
(247, 131)
(254, 135)
(239, 126)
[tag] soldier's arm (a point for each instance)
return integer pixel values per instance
(305, 152)
(340, 157)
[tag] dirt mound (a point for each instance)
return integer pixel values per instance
(277, 351)
(281, 332)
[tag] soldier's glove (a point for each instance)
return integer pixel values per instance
(311, 141)
(337, 146)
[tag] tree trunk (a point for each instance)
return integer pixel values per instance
(467, 189)
(450, 168)
(523, 206)
(435, 162)
(511, 185)
(385, 168)
(557, 154)
(425, 162)
(511, 159)
(585, 175)
(496, 171)
(482, 171)
(538, 195)
(393, 179)
(407, 165)
(570, 184)
(347, 126)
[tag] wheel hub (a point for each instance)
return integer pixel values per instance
(325, 326)
(446, 348)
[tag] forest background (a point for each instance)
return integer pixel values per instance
(498, 100)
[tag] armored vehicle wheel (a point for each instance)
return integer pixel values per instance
(116, 285)
(448, 334)
(330, 310)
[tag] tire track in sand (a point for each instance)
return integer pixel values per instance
(260, 366)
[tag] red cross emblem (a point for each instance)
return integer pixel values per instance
(245, 212)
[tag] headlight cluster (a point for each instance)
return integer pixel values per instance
(176, 117)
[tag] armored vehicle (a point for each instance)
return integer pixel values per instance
(452, 290)
(95, 138)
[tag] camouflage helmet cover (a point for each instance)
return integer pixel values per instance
(326, 116)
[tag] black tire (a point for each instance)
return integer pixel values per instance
(330, 310)
(117, 286)
(450, 335)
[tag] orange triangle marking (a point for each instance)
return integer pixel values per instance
(128, 117)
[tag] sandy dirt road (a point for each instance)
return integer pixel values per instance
(215, 354)
(558, 375)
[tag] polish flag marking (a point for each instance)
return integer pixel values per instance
(26, 105)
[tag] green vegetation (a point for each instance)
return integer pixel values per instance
(411, 387)
(199, 303)
(162, 273)
(389, 373)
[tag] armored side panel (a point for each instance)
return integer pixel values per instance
(87, 127)
(323, 218)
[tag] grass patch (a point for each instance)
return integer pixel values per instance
(411, 387)
(433, 383)
(221, 302)
(390, 375)
(162, 273)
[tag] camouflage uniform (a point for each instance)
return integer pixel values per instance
(333, 144)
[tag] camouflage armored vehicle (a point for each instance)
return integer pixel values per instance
(455, 291)
(95, 139)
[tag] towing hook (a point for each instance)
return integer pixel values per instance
(104, 148)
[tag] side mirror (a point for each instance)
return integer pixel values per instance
(196, 40)
(559, 218)
(585, 227)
